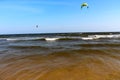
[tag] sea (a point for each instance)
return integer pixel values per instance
(60, 56)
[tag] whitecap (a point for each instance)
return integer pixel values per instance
(87, 38)
(51, 39)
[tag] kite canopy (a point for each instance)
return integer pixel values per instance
(36, 26)
(84, 5)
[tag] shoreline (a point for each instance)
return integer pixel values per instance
(65, 65)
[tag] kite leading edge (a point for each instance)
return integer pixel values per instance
(84, 5)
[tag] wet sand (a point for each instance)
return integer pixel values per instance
(64, 65)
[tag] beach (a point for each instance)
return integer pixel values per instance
(73, 56)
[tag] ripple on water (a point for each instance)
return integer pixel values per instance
(65, 65)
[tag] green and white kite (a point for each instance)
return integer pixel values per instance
(84, 5)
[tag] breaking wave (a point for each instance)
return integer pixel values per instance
(62, 38)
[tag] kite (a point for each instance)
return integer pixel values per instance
(36, 26)
(84, 5)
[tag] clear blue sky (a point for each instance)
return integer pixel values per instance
(21, 16)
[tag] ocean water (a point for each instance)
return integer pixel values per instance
(60, 56)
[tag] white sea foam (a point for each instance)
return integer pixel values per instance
(102, 36)
(92, 37)
(51, 39)
(105, 36)
(2, 38)
(87, 38)
(11, 39)
(23, 38)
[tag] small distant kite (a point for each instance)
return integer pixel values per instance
(84, 5)
(36, 26)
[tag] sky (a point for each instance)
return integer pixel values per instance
(56, 16)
